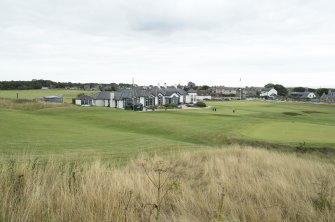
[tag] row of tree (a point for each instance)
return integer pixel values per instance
(39, 83)
(282, 91)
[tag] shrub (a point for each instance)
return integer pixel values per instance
(200, 104)
(170, 106)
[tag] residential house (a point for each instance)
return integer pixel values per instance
(250, 92)
(225, 91)
(328, 98)
(303, 96)
(267, 92)
(87, 87)
(192, 96)
(84, 100)
(122, 98)
(101, 99)
(147, 96)
(203, 95)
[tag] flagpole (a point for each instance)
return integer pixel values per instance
(240, 89)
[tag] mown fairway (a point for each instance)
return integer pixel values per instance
(119, 133)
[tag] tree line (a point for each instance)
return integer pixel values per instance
(39, 83)
(282, 91)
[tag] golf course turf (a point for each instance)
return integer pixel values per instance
(70, 129)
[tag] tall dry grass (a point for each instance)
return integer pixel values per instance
(25, 104)
(233, 184)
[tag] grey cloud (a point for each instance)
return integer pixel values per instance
(179, 37)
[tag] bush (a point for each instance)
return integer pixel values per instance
(200, 104)
(170, 106)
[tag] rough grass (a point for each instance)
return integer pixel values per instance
(28, 105)
(36, 93)
(233, 184)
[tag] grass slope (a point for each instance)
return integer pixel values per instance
(117, 132)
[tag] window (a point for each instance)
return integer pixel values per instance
(149, 101)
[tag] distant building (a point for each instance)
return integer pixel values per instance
(87, 87)
(250, 92)
(84, 100)
(53, 99)
(101, 99)
(268, 93)
(225, 91)
(302, 95)
(328, 98)
(146, 96)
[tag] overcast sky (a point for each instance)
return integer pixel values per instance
(213, 42)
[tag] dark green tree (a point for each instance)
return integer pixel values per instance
(204, 87)
(191, 85)
(269, 85)
(282, 91)
(299, 89)
(320, 91)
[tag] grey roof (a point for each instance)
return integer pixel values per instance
(147, 92)
(298, 93)
(84, 97)
(156, 90)
(140, 92)
(101, 95)
(167, 91)
(123, 94)
(302, 95)
(182, 92)
(191, 91)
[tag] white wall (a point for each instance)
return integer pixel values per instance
(142, 100)
(120, 104)
(271, 92)
(201, 98)
(99, 102)
(191, 98)
(78, 102)
(311, 95)
(181, 99)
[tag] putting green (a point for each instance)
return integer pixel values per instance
(291, 132)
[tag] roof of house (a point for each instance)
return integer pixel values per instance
(302, 95)
(267, 89)
(182, 92)
(147, 92)
(84, 97)
(101, 95)
(140, 92)
(191, 91)
(123, 94)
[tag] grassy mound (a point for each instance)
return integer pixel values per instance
(233, 184)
